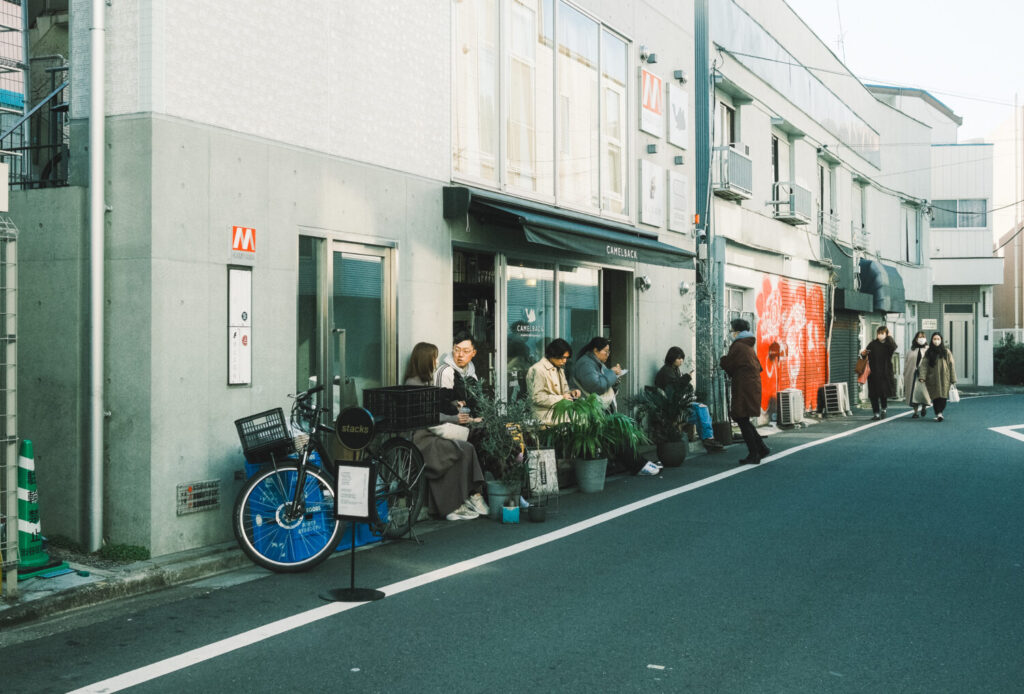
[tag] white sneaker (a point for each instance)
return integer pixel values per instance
(649, 469)
(462, 513)
(657, 464)
(476, 503)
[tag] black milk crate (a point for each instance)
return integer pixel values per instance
(264, 435)
(403, 407)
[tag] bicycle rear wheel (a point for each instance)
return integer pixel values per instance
(401, 484)
(274, 536)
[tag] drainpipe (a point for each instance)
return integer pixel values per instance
(97, 211)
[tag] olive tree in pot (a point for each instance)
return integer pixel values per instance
(500, 443)
(588, 434)
(663, 413)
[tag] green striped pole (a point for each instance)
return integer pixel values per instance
(30, 538)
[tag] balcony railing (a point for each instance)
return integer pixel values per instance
(828, 224)
(792, 203)
(733, 174)
(860, 236)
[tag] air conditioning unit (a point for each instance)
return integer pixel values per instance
(837, 399)
(791, 407)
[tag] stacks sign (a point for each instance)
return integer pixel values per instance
(32, 558)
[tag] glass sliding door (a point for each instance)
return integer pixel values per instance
(345, 319)
(530, 300)
(579, 305)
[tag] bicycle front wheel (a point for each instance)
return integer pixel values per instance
(277, 535)
(400, 486)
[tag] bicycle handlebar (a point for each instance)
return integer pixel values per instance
(307, 394)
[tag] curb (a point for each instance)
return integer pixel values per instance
(164, 572)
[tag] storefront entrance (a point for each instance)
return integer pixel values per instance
(345, 319)
(514, 307)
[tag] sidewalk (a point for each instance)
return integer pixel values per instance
(89, 585)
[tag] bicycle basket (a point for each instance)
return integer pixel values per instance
(403, 407)
(264, 435)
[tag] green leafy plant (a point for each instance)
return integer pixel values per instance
(585, 430)
(662, 413)
(508, 429)
(1008, 362)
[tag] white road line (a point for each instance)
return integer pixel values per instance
(1009, 431)
(247, 638)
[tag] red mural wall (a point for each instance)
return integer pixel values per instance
(791, 338)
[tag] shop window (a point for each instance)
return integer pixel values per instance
(530, 297)
(473, 307)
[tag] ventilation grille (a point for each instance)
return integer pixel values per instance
(837, 399)
(791, 407)
(194, 497)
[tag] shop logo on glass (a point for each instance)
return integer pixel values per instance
(530, 314)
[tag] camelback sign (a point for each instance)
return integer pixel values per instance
(243, 243)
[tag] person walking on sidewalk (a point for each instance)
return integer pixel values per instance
(744, 369)
(879, 353)
(911, 366)
(938, 373)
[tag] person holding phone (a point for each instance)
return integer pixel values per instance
(546, 382)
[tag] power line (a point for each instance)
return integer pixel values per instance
(1015, 235)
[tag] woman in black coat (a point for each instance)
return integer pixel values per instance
(879, 353)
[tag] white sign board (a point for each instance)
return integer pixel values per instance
(652, 103)
(353, 497)
(678, 202)
(652, 194)
(929, 324)
(678, 116)
(239, 326)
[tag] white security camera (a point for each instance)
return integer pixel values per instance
(644, 53)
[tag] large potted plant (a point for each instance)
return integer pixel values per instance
(588, 434)
(663, 414)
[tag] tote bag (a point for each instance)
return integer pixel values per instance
(920, 394)
(954, 394)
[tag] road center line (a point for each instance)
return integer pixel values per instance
(247, 638)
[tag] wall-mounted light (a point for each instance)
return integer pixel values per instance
(652, 149)
(642, 283)
(680, 75)
(648, 56)
(684, 288)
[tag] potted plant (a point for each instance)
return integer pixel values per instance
(588, 434)
(501, 446)
(663, 414)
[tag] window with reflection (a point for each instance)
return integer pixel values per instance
(476, 89)
(531, 106)
(579, 305)
(530, 292)
(614, 68)
(578, 37)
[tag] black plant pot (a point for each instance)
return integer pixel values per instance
(673, 453)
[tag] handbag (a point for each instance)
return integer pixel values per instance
(862, 366)
(954, 394)
(863, 377)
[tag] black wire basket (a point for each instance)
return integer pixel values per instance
(403, 407)
(265, 436)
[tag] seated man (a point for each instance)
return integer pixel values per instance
(546, 382)
(453, 373)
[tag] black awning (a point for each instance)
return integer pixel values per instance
(565, 231)
(885, 284)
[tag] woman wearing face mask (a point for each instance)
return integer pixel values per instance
(910, 372)
(879, 353)
(938, 373)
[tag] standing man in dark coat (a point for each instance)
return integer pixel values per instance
(744, 370)
(879, 353)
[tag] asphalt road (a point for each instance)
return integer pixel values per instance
(890, 559)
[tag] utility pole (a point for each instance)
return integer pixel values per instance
(710, 250)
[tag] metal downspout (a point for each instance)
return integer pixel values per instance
(97, 210)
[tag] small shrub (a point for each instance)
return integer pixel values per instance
(124, 552)
(1008, 363)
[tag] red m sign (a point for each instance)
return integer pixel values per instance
(243, 239)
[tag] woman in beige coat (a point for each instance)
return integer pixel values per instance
(546, 382)
(911, 364)
(938, 372)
